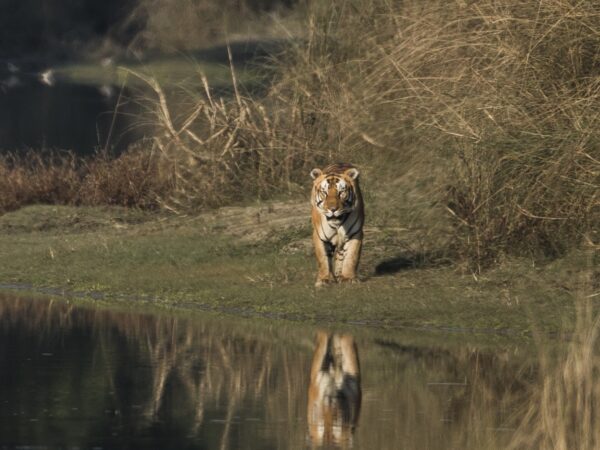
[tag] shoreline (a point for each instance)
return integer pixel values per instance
(116, 301)
(229, 261)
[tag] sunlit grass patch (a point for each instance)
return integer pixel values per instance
(169, 70)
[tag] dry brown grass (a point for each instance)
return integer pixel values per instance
(131, 179)
(492, 107)
(37, 178)
(203, 152)
(219, 151)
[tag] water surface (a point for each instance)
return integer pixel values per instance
(65, 116)
(79, 377)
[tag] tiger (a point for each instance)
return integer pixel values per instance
(337, 220)
(334, 393)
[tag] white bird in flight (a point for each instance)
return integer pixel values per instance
(47, 77)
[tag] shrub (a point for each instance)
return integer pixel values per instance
(132, 179)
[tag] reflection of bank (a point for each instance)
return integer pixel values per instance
(334, 394)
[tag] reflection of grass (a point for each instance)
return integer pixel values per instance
(252, 263)
(182, 369)
(193, 371)
(422, 392)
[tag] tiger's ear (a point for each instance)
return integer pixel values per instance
(315, 173)
(352, 173)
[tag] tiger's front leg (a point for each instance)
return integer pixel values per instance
(351, 256)
(324, 263)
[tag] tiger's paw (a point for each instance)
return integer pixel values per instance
(324, 281)
(351, 280)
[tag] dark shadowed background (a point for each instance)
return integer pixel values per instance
(62, 28)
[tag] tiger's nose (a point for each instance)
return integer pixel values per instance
(333, 209)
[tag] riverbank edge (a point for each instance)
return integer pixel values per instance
(279, 324)
(260, 279)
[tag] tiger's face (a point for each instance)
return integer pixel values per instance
(334, 193)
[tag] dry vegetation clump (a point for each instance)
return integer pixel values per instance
(493, 107)
(37, 178)
(132, 179)
(221, 151)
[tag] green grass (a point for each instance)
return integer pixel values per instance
(168, 70)
(200, 262)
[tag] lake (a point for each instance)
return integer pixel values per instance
(80, 106)
(65, 116)
(82, 377)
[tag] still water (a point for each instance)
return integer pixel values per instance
(65, 116)
(79, 377)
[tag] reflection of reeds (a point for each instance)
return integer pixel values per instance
(208, 374)
(564, 411)
(199, 366)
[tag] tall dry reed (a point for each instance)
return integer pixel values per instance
(223, 150)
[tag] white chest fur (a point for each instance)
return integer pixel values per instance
(338, 232)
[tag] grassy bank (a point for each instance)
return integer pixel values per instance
(257, 260)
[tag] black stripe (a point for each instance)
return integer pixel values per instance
(356, 232)
(343, 218)
(353, 223)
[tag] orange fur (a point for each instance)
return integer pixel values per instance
(337, 218)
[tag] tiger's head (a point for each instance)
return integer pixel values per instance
(335, 190)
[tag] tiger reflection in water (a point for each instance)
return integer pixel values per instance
(334, 394)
